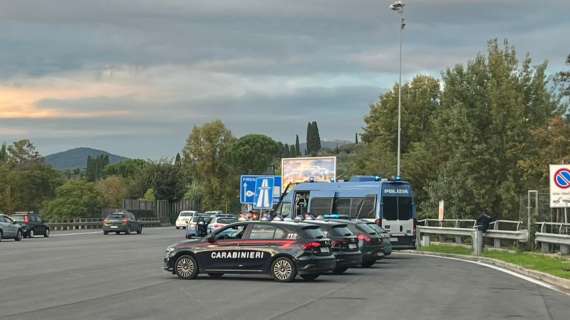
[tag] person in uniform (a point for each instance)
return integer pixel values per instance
(201, 227)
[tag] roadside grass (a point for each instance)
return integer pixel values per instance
(556, 266)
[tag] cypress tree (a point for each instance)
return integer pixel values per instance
(356, 138)
(316, 138)
(297, 146)
(309, 143)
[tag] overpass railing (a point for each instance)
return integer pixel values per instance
(91, 223)
(552, 234)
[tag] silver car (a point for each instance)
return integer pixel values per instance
(9, 229)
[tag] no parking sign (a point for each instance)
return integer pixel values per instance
(559, 185)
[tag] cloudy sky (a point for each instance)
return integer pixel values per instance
(134, 76)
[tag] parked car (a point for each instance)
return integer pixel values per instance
(220, 221)
(369, 242)
(32, 224)
(344, 244)
(184, 218)
(387, 245)
(192, 228)
(123, 221)
(10, 229)
(280, 249)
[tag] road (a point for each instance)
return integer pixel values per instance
(91, 276)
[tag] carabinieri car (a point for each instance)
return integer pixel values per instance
(280, 249)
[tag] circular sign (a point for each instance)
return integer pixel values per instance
(562, 178)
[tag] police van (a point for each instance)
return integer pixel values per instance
(387, 202)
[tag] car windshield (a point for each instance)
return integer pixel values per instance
(186, 214)
(116, 216)
(198, 217)
(18, 218)
(366, 228)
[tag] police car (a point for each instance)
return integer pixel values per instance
(280, 249)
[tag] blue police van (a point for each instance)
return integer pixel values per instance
(387, 202)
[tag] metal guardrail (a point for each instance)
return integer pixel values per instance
(553, 233)
(91, 223)
(442, 228)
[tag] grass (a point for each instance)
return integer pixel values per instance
(559, 267)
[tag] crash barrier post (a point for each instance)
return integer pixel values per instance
(424, 232)
(552, 235)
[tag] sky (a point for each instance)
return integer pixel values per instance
(133, 77)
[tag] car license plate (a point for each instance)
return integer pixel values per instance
(325, 250)
(114, 227)
(393, 239)
(352, 246)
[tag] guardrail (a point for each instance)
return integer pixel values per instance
(91, 223)
(553, 233)
(453, 228)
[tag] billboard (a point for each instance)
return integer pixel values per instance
(296, 170)
(559, 185)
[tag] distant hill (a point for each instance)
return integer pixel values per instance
(77, 158)
(326, 144)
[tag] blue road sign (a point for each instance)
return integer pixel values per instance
(247, 188)
(263, 193)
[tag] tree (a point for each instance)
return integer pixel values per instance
(254, 153)
(3, 153)
(313, 138)
(356, 138)
(126, 169)
(96, 166)
(207, 161)
(113, 190)
(563, 80)
(75, 198)
(22, 152)
(297, 146)
(165, 179)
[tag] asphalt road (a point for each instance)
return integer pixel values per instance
(91, 276)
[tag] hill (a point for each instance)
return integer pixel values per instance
(77, 158)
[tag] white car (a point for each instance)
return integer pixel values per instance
(184, 218)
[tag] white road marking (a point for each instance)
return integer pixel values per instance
(512, 273)
(74, 234)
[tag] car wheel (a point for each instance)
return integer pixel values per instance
(215, 275)
(177, 228)
(309, 277)
(1, 235)
(31, 233)
(339, 270)
(18, 236)
(139, 231)
(117, 232)
(46, 233)
(128, 231)
(283, 269)
(186, 267)
(105, 233)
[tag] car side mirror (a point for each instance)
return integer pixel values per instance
(211, 239)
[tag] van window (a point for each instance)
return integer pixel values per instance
(397, 208)
(361, 208)
(321, 206)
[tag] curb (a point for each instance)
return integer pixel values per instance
(559, 283)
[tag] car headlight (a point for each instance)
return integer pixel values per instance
(169, 250)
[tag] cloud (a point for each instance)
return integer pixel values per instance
(123, 74)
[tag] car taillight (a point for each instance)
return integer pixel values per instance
(26, 219)
(364, 238)
(378, 222)
(125, 221)
(311, 245)
(217, 225)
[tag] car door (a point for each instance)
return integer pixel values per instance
(10, 228)
(223, 252)
(258, 246)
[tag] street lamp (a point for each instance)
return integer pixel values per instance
(398, 7)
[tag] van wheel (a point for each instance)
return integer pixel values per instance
(18, 236)
(339, 270)
(309, 277)
(186, 267)
(283, 269)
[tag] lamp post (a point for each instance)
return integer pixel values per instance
(398, 7)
